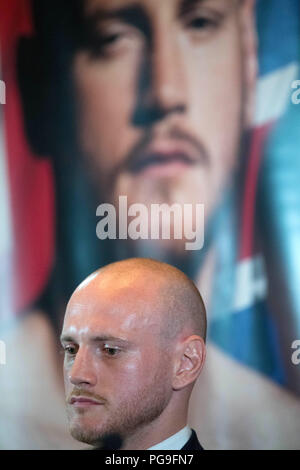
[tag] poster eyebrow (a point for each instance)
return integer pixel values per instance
(131, 14)
(186, 5)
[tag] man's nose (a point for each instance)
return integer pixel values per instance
(164, 77)
(82, 370)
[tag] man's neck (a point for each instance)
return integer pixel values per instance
(150, 437)
(175, 442)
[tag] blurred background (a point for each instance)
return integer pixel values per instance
(61, 131)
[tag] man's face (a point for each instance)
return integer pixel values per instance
(112, 360)
(163, 87)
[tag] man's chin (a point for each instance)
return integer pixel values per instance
(87, 436)
(99, 439)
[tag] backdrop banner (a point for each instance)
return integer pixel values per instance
(90, 92)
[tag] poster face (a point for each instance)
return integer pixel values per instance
(165, 130)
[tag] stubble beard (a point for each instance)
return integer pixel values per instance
(129, 417)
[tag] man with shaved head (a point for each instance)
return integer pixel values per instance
(134, 341)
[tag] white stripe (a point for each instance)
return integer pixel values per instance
(273, 93)
(5, 219)
(6, 240)
(251, 283)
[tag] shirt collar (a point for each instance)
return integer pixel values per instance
(175, 442)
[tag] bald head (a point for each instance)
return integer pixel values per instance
(169, 293)
(133, 337)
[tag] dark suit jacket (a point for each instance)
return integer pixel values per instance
(192, 443)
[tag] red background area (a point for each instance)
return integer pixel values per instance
(30, 178)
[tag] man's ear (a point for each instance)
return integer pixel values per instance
(249, 51)
(191, 357)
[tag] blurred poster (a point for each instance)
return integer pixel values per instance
(111, 110)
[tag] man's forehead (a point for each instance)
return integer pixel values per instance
(85, 322)
(129, 309)
(94, 5)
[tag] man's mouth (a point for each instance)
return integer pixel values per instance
(84, 401)
(165, 158)
(159, 164)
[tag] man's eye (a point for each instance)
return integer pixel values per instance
(111, 351)
(201, 23)
(71, 350)
(111, 41)
(102, 45)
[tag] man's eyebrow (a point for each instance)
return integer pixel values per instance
(104, 338)
(134, 15)
(67, 338)
(96, 339)
(186, 5)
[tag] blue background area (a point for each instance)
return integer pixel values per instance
(251, 336)
(278, 33)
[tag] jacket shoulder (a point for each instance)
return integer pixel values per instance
(193, 443)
